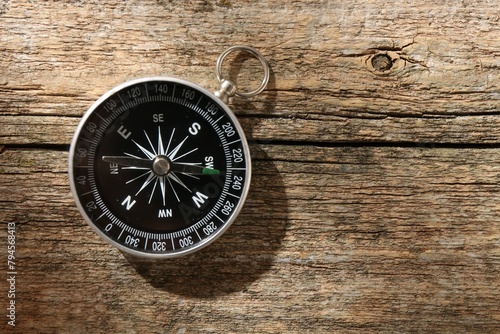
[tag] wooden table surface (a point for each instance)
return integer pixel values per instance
(375, 198)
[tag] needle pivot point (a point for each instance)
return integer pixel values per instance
(161, 165)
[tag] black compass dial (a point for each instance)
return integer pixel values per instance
(159, 167)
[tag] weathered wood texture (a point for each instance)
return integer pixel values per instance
(375, 198)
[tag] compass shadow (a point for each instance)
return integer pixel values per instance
(248, 249)
(239, 257)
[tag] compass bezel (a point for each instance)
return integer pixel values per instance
(245, 184)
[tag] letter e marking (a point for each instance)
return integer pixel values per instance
(124, 132)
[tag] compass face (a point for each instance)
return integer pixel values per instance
(159, 167)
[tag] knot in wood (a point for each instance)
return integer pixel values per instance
(381, 62)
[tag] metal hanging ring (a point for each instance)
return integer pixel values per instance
(256, 54)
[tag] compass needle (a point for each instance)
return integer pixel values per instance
(128, 161)
(210, 171)
(192, 169)
(127, 165)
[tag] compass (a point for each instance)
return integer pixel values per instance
(159, 166)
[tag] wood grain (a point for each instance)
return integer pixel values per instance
(374, 200)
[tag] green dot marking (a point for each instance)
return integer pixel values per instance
(210, 171)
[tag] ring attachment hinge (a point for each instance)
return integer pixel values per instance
(227, 89)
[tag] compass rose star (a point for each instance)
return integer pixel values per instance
(167, 156)
(160, 151)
